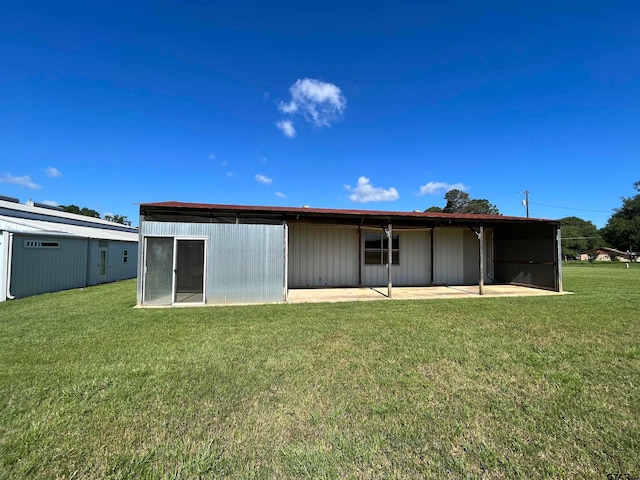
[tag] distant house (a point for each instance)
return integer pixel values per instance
(606, 254)
(228, 254)
(43, 249)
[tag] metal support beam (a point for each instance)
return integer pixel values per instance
(481, 243)
(558, 270)
(480, 235)
(285, 245)
(389, 233)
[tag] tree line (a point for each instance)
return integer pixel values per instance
(621, 232)
(87, 212)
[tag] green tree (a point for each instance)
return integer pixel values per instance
(578, 235)
(460, 202)
(622, 231)
(122, 219)
(80, 211)
(434, 209)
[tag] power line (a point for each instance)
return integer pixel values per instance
(570, 208)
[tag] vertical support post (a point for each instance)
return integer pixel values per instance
(359, 255)
(389, 258)
(481, 246)
(558, 269)
(431, 254)
(285, 247)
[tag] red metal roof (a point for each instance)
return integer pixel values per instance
(335, 212)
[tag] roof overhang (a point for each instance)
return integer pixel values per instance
(159, 210)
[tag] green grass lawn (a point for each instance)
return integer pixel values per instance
(530, 387)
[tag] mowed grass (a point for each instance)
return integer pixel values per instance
(537, 387)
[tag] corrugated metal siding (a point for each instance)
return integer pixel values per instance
(41, 270)
(245, 263)
(4, 261)
(470, 257)
(322, 256)
(448, 252)
(117, 268)
(414, 268)
(92, 266)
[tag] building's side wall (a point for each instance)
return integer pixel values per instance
(244, 263)
(41, 270)
(415, 265)
(92, 262)
(4, 264)
(527, 255)
(118, 268)
(322, 256)
(448, 256)
(470, 257)
(456, 256)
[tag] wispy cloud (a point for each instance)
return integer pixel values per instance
(287, 128)
(319, 103)
(212, 156)
(51, 203)
(433, 188)
(280, 195)
(263, 179)
(364, 192)
(53, 172)
(24, 181)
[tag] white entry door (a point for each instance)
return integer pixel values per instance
(103, 265)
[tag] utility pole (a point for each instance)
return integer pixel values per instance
(525, 202)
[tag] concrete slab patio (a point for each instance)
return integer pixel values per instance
(317, 295)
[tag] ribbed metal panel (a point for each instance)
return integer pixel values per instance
(244, 263)
(4, 264)
(414, 268)
(448, 256)
(118, 269)
(41, 270)
(470, 257)
(322, 256)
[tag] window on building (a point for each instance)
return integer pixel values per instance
(125, 256)
(376, 248)
(41, 244)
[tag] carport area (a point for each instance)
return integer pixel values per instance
(334, 295)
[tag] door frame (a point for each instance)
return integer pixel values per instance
(175, 270)
(103, 278)
(174, 261)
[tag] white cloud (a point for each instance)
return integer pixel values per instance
(433, 188)
(24, 181)
(51, 203)
(280, 195)
(287, 128)
(263, 179)
(290, 107)
(319, 103)
(364, 192)
(53, 172)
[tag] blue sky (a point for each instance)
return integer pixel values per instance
(365, 105)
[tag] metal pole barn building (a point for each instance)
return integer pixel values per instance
(227, 254)
(44, 249)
